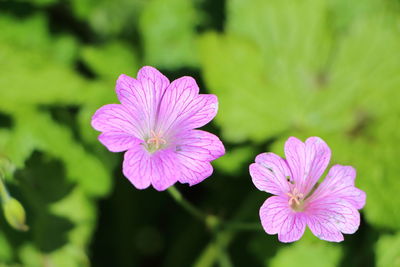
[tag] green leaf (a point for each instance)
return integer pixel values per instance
(109, 18)
(296, 72)
(237, 88)
(233, 161)
(64, 257)
(49, 81)
(305, 253)
(168, 29)
(81, 166)
(387, 250)
(5, 249)
(111, 60)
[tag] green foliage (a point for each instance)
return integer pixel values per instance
(38, 77)
(312, 254)
(280, 68)
(388, 251)
(15, 214)
(116, 54)
(304, 72)
(168, 32)
(108, 18)
(238, 156)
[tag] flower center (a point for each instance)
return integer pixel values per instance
(296, 199)
(155, 142)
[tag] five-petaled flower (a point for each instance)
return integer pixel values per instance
(329, 209)
(155, 124)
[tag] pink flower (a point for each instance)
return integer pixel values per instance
(155, 124)
(329, 210)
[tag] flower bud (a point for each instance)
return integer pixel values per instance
(15, 214)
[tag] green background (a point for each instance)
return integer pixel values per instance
(280, 68)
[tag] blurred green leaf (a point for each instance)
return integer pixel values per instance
(295, 72)
(168, 29)
(230, 82)
(111, 60)
(305, 253)
(302, 74)
(5, 249)
(233, 160)
(38, 76)
(64, 257)
(109, 18)
(387, 251)
(81, 166)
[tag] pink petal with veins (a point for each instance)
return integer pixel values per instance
(330, 211)
(182, 108)
(142, 96)
(195, 150)
(339, 183)
(307, 161)
(270, 173)
(329, 217)
(118, 127)
(143, 169)
(118, 141)
(277, 218)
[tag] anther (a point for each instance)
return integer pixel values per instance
(156, 139)
(295, 196)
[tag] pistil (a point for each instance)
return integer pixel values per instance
(295, 200)
(155, 142)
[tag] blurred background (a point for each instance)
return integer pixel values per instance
(328, 68)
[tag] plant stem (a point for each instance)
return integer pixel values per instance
(244, 226)
(186, 204)
(4, 196)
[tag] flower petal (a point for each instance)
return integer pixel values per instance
(193, 171)
(143, 168)
(270, 173)
(277, 218)
(328, 218)
(118, 141)
(143, 95)
(307, 161)
(339, 183)
(195, 150)
(118, 127)
(200, 145)
(182, 107)
(113, 118)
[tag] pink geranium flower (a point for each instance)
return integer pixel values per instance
(155, 124)
(329, 210)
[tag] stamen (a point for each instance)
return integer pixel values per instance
(156, 139)
(296, 199)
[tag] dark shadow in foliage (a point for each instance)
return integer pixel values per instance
(215, 12)
(85, 70)
(360, 247)
(20, 9)
(62, 20)
(43, 182)
(14, 238)
(50, 231)
(5, 121)
(66, 116)
(118, 240)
